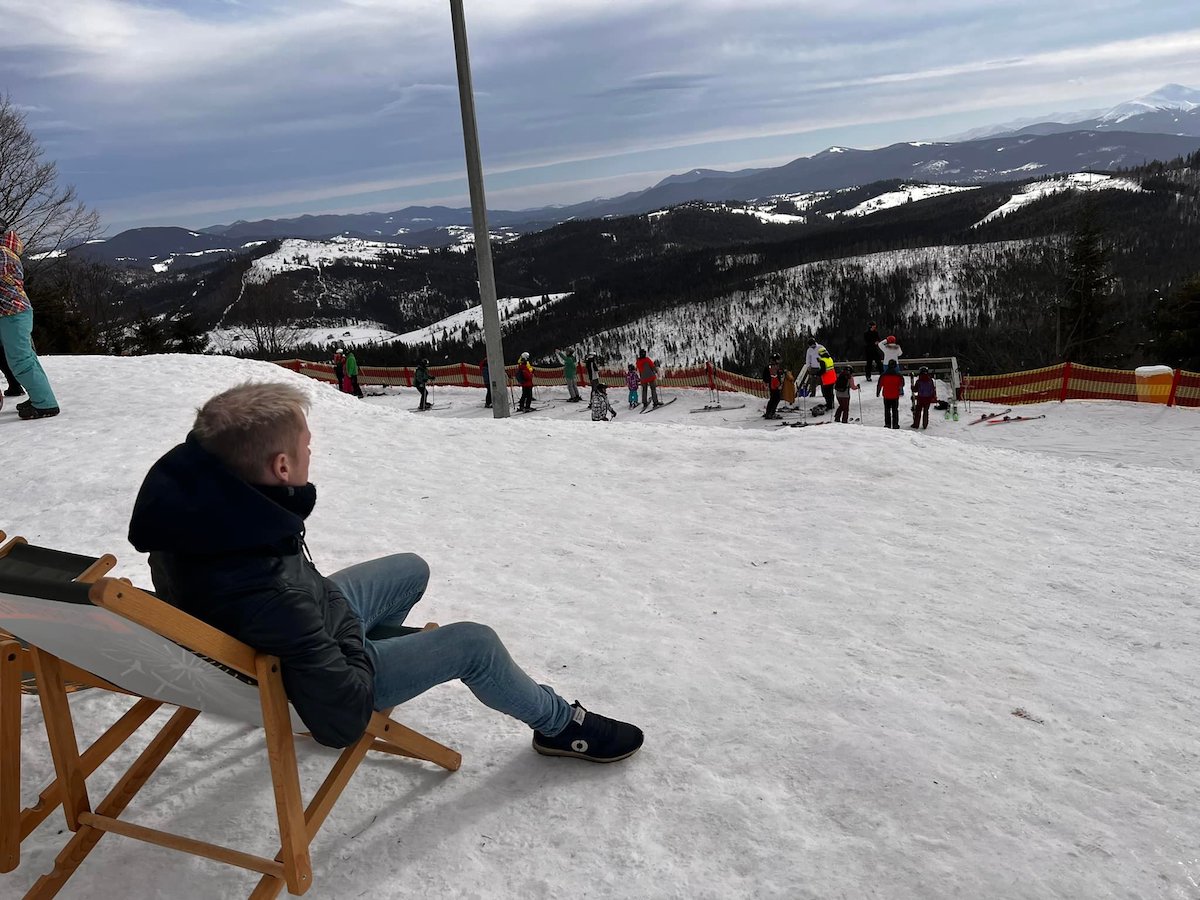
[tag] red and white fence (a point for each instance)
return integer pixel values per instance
(1066, 381)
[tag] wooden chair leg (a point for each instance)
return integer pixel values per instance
(10, 755)
(81, 844)
(285, 776)
(90, 760)
(404, 741)
(60, 732)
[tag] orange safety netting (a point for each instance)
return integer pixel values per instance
(1066, 381)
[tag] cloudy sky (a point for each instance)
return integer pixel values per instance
(198, 112)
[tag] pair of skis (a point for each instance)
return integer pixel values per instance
(1003, 418)
(1009, 419)
(983, 417)
(646, 409)
(717, 408)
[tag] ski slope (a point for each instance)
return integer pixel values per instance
(869, 663)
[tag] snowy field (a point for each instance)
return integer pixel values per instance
(869, 664)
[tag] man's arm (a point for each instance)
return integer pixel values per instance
(329, 679)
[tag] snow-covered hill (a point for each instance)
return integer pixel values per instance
(355, 333)
(868, 663)
(798, 298)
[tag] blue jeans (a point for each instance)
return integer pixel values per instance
(383, 591)
(16, 336)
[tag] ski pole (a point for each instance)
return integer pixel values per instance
(860, 421)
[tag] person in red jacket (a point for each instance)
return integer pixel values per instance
(648, 376)
(525, 380)
(772, 377)
(890, 383)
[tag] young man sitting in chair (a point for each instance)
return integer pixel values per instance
(222, 516)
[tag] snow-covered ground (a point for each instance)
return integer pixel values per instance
(951, 664)
(909, 193)
(797, 299)
(1076, 181)
(354, 333)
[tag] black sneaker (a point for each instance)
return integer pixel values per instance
(14, 391)
(33, 412)
(26, 404)
(591, 736)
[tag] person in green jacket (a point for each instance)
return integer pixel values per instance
(421, 379)
(570, 373)
(352, 374)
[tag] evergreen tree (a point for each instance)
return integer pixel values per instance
(1175, 324)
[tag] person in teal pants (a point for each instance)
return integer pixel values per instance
(16, 332)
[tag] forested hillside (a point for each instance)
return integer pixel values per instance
(1003, 276)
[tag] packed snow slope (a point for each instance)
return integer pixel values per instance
(868, 663)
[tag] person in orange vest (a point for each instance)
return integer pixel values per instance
(889, 386)
(648, 376)
(525, 380)
(772, 377)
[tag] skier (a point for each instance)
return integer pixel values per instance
(487, 382)
(925, 396)
(631, 383)
(570, 374)
(601, 409)
(842, 387)
(789, 387)
(648, 376)
(828, 375)
(812, 366)
(352, 374)
(591, 363)
(772, 377)
(16, 330)
(421, 379)
(339, 367)
(891, 351)
(871, 349)
(525, 380)
(890, 383)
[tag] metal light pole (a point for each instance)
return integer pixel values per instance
(483, 243)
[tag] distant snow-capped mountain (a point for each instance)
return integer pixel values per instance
(1172, 109)
(1166, 98)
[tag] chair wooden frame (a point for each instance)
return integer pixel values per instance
(297, 824)
(16, 823)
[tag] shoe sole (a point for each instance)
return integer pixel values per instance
(546, 751)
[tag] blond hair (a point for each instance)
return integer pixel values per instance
(247, 426)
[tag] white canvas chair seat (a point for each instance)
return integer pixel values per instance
(19, 557)
(147, 648)
(130, 656)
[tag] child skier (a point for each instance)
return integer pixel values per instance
(925, 396)
(601, 410)
(421, 379)
(889, 385)
(631, 383)
(841, 389)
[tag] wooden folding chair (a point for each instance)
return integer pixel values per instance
(18, 556)
(148, 648)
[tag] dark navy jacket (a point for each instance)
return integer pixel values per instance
(233, 555)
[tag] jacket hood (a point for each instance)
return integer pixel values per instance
(13, 242)
(191, 503)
